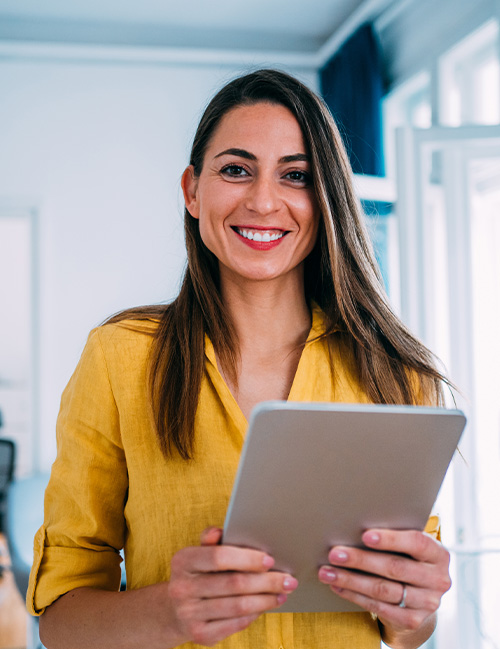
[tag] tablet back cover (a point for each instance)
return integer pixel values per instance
(315, 475)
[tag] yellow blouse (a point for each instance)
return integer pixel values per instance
(111, 487)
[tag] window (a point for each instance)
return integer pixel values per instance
(453, 205)
(408, 105)
(469, 80)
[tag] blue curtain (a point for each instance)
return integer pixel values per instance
(352, 86)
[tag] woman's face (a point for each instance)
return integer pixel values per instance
(254, 196)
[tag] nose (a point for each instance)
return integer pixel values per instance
(263, 196)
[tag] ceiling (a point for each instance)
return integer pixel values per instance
(299, 26)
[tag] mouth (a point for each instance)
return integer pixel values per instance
(265, 236)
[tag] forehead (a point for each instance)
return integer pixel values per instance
(264, 126)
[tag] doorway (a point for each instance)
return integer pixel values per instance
(18, 339)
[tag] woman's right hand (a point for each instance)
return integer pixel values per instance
(216, 590)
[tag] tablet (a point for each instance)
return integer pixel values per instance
(314, 475)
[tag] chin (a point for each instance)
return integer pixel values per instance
(263, 274)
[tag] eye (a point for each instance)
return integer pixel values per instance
(299, 177)
(234, 171)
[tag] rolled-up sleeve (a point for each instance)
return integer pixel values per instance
(84, 525)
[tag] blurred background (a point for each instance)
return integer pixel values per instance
(98, 105)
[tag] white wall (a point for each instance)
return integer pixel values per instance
(98, 150)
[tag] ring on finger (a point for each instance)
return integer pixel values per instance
(402, 603)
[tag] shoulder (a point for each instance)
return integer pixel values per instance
(119, 346)
(426, 390)
(125, 331)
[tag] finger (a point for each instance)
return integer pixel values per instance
(402, 618)
(220, 558)
(390, 566)
(418, 545)
(379, 589)
(222, 608)
(237, 583)
(376, 588)
(211, 536)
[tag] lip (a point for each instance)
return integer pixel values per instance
(258, 227)
(259, 245)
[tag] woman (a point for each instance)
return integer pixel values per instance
(281, 299)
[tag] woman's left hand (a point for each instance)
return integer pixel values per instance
(403, 591)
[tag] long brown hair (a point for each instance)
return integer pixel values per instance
(341, 276)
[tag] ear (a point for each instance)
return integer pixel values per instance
(189, 184)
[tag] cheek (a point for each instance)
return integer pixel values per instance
(206, 233)
(311, 219)
(217, 203)
(312, 231)
(314, 236)
(306, 207)
(212, 232)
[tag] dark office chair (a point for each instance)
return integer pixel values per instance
(7, 465)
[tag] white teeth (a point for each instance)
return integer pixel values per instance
(260, 236)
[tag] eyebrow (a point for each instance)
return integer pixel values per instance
(242, 153)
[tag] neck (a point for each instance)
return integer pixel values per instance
(269, 317)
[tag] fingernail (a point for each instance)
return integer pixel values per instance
(338, 555)
(372, 537)
(290, 583)
(267, 561)
(282, 598)
(327, 575)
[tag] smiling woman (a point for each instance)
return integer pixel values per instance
(281, 299)
(254, 197)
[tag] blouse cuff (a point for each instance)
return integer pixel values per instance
(70, 568)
